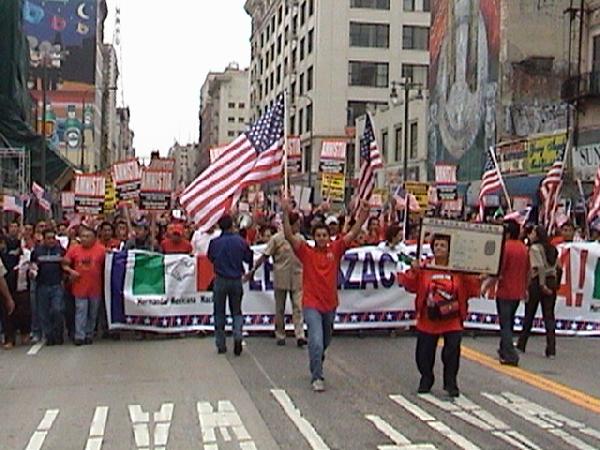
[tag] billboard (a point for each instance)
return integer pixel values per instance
(463, 80)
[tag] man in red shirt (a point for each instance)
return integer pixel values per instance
(84, 263)
(106, 234)
(320, 265)
(175, 242)
(511, 288)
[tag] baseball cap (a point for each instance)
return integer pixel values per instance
(331, 220)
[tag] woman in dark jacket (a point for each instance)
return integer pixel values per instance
(545, 279)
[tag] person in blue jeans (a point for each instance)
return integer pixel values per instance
(47, 258)
(227, 253)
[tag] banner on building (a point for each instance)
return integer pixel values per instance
(127, 176)
(294, 155)
(512, 157)
(586, 156)
(542, 151)
(169, 293)
(156, 190)
(420, 191)
(90, 193)
(67, 202)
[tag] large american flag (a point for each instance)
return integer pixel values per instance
(254, 157)
(550, 189)
(491, 180)
(370, 160)
(595, 200)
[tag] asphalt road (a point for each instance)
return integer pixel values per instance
(179, 394)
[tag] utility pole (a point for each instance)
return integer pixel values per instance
(44, 106)
(83, 106)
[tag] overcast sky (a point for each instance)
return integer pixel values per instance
(168, 49)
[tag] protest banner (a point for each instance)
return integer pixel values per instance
(110, 196)
(473, 247)
(67, 202)
(127, 176)
(333, 186)
(445, 182)
(420, 191)
(294, 155)
(332, 167)
(169, 293)
(90, 192)
(156, 190)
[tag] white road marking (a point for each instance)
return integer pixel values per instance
(545, 419)
(35, 348)
(97, 427)
(303, 425)
(141, 430)
(432, 422)
(225, 418)
(470, 412)
(395, 436)
(39, 436)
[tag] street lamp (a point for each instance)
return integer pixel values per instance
(407, 86)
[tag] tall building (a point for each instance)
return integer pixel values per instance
(125, 149)
(184, 156)
(110, 120)
(224, 110)
(337, 58)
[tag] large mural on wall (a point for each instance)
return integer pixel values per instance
(463, 81)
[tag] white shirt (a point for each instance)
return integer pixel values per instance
(201, 239)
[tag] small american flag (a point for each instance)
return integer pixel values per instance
(12, 204)
(37, 190)
(370, 160)
(491, 180)
(521, 216)
(595, 199)
(550, 189)
(254, 157)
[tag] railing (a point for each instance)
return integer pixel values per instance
(581, 86)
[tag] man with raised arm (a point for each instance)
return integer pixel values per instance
(321, 265)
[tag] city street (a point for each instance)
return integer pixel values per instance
(179, 394)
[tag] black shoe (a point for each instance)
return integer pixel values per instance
(281, 342)
(520, 347)
(237, 348)
(425, 386)
(79, 342)
(452, 392)
(301, 342)
(59, 341)
(507, 362)
(221, 350)
(87, 341)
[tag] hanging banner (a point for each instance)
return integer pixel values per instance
(512, 157)
(169, 293)
(90, 190)
(420, 191)
(294, 155)
(127, 176)
(156, 190)
(542, 151)
(333, 186)
(67, 202)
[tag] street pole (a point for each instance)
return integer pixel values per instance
(407, 83)
(44, 106)
(82, 161)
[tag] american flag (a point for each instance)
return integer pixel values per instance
(521, 216)
(12, 204)
(595, 200)
(254, 157)
(37, 190)
(491, 180)
(550, 189)
(370, 160)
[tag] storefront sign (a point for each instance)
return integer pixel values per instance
(542, 152)
(512, 157)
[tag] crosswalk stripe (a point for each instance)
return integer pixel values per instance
(35, 348)
(432, 422)
(97, 428)
(39, 436)
(402, 443)
(544, 418)
(303, 425)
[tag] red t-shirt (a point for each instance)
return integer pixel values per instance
(320, 275)
(89, 262)
(420, 281)
(557, 240)
(512, 283)
(170, 247)
(113, 244)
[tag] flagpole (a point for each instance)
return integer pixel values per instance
(585, 209)
(550, 226)
(286, 124)
(493, 153)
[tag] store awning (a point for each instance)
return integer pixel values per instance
(525, 186)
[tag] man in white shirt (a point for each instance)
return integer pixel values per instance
(201, 239)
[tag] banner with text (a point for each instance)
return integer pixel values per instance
(127, 176)
(156, 190)
(90, 191)
(169, 293)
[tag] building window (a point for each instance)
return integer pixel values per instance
(300, 121)
(369, 35)
(241, 120)
(301, 86)
(355, 108)
(417, 73)
(309, 118)
(307, 158)
(273, 24)
(303, 14)
(309, 79)
(398, 143)
(371, 4)
(241, 105)
(302, 42)
(231, 133)
(414, 140)
(311, 7)
(279, 41)
(364, 73)
(409, 5)
(295, 25)
(280, 15)
(311, 41)
(384, 145)
(293, 92)
(292, 125)
(279, 74)
(426, 5)
(231, 105)
(231, 119)
(596, 54)
(415, 38)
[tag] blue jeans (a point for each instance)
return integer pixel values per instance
(51, 310)
(86, 314)
(506, 314)
(320, 329)
(223, 289)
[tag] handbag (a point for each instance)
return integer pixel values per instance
(442, 303)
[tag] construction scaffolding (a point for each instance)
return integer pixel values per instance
(15, 172)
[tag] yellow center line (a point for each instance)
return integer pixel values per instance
(574, 396)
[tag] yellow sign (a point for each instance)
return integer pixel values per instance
(110, 196)
(333, 186)
(542, 151)
(420, 191)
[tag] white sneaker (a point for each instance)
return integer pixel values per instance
(318, 385)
